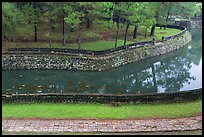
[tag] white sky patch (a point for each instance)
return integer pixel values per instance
(195, 71)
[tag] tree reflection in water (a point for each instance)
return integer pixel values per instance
(165, 73)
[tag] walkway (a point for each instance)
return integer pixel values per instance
(101, 125)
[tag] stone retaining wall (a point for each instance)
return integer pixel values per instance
(179, 96)
(91, 63)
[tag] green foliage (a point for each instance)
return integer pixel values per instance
(75, 14)
(104, 14)
(183, 9)
(19, 18)
(9, 18)
(53, 10)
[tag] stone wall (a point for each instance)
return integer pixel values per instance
(105, 98)
(91, 63)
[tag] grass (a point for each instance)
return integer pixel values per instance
(90, 34)
(103, 111)
(100, 45)
(158, 34)
(96, 45)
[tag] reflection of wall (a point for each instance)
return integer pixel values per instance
(183, 23)
(99, 63)
(196, 23)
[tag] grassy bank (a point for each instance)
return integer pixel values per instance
(87, 110)
(101, 44)
(96, 46)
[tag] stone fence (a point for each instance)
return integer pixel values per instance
(92, 62)
(105, 98)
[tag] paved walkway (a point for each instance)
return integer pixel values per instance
(100, 125)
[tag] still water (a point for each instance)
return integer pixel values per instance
(175, 71)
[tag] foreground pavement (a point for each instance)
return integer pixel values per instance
(102, 125)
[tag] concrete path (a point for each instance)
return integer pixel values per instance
(102, 125)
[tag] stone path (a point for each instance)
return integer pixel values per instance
(101, 125)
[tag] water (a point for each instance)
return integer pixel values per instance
(176, 71)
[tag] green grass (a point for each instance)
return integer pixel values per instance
(97, 45)
(90, 34)
(158, 34)
(88, 110)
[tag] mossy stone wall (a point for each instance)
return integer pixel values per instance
(92, 63)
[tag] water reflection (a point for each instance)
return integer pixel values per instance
(178, 70)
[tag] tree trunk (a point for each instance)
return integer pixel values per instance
(125, 38)
(135, 32)
(116, 38)
(35, 24)
(63, 31)
(88, 22)
(167, 16)
(153, 30)
(2, 36)
(12, 31)
(79, 38)
(168, 13)
(145, 33)
(36, 37)
(51, 27)
(68, 40)
(3, 33)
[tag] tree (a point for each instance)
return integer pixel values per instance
(104, 12)
(50, 17)
(148, 23)
(35, 23)
(75, 17)
(130, 15)
(39, 10)
(157, 10)
(183, 9)
(88, 17)
(117, 18)
(147, 18)
(139, 19)
(9, 20)
(110, 13)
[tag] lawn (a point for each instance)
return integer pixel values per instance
(97, 45)
(100, 45)
(158, 34)
(103, 111)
